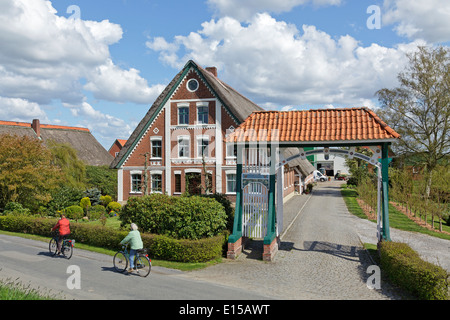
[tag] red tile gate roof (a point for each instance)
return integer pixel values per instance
(343, 124)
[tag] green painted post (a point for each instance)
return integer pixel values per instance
(385, 184)
(237, 223)
(271, 223)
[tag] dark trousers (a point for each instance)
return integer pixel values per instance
(61, 237)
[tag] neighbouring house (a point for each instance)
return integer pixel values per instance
(180, 146)
(88, 148)
(116, 147)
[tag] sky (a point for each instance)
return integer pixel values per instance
(100, 64)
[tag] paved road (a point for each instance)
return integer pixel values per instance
(321, 254)
(30, 261)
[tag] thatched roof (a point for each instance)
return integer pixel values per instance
(305, 167)
(88, 148)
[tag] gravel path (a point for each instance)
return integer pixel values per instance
(320, 256)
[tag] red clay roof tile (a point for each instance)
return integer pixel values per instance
(313, 125)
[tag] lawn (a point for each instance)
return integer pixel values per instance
(397, 219)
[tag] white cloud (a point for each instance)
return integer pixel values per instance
(105, 126)
(109, 82)
(273, 62)
(44, 57)
(419, 19)
(15, 109)
(244, 10)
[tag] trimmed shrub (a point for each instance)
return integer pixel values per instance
(105, 200)
(405, 268)
(16, 209)
(85, 203)
(74, 212)
(192, 217)
(113, 207)
(95, 212)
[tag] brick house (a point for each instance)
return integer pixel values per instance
(179, 145)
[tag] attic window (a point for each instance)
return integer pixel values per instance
(192, 85)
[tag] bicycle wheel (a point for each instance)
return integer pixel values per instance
(143, 265)
(53, 246)
(120, 261)
(67, 249)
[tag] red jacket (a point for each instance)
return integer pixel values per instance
(63, 225)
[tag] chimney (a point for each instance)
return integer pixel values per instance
(212, 70)
(36, 127)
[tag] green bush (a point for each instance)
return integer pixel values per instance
(192, 217)
(113, 207)
(85, 203)
(16, 209)
(74, 212)
(229, 210)
(405, 268)
(159, 246)
(105, 200)
(95, 212)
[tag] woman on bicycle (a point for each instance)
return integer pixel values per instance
(63, 225)
(135, 241)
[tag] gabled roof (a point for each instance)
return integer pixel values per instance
(311, 126)
(88, 148)
(239, 106)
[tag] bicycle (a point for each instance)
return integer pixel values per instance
(142, 263)
(66, 246)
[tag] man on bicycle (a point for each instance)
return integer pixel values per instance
(135, 240)
(63, 225)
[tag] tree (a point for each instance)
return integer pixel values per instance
(65, 157)
(419, 109)
(27, 174)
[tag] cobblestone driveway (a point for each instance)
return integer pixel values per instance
(320, 257)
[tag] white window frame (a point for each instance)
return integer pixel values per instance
(199, 140)
(155, 138)
(188, 139)
(153, 173)
(179, 106)
(132, 173)
(203, 105)
(227, 174)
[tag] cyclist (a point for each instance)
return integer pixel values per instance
(135, 240)
(63, 225)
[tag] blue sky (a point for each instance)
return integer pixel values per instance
(102, 64)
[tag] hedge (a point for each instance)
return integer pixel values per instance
(404, 267)
(159, 246)
(192, 217)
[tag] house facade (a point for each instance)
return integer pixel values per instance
(179, 146)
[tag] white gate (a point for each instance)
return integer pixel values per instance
(255, 192)
(255, 210)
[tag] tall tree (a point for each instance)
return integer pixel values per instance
(27, 174)
(420, 108)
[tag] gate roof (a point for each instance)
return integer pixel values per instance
(314, 127)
